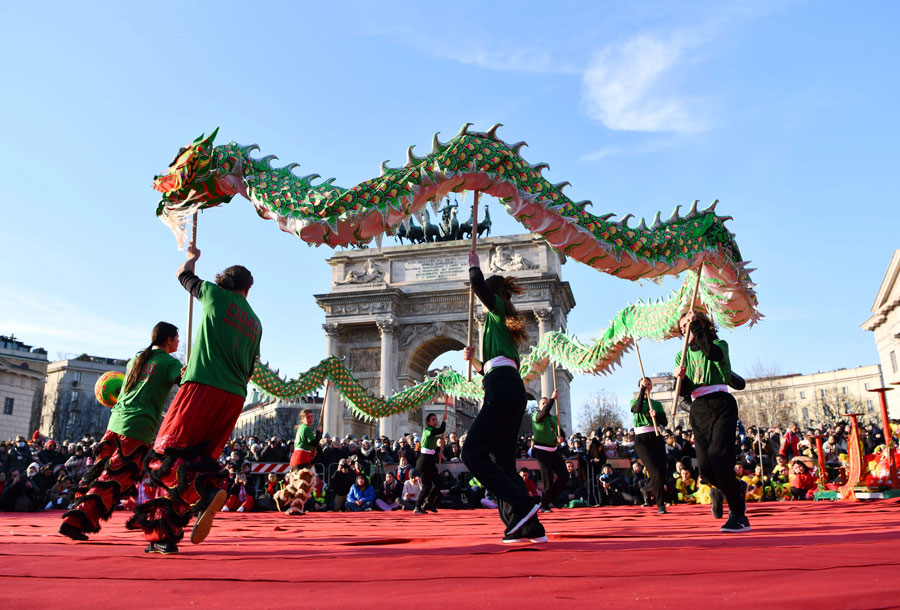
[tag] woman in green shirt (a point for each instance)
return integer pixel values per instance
(649, 444)
(119, 457)
(490, 448)
(714, 414)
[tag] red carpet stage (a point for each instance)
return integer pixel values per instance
(799, 554)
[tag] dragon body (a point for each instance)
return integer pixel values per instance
(204, 175)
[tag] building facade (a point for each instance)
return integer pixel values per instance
(23, 371)
(807, 399)
(69, 410)
(885, 325)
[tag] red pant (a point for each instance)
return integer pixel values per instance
(183, 459)
(118, 465)
(234, 502)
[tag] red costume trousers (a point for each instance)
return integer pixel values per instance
(118, 465)
(183, 461)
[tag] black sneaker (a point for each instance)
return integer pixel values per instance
(419, 511)
(431, 509)
(736, 524)
(163, 547)
(716, 499)
(546, 509)
(520, 519)
(70, 531)
(661, 510)
(530, 533)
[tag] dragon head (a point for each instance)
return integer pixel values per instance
(200, 173)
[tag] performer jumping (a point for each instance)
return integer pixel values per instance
(425, 465)
(119, 457)
(649, 445)
(546, 442)
(201, 418)
(714, 414)
(490, 448)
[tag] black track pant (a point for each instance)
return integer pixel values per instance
(714, 424)
(652, 451)
(490, 449)
(431, 482)
(551, 463)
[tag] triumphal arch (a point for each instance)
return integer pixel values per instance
(391, 312)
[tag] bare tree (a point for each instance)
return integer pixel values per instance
(765, 401)
(600, 410)
(832, 403)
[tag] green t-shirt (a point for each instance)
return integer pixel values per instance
(138, 411)
(643, 418)
(702, 371)
(429, 438)
(305, 439)
(497, 339)
(544, 430)
(227, 342)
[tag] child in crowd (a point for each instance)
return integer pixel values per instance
(389, 494)
(362, 495)
(239, 499)
(803, 483)
(686, 487)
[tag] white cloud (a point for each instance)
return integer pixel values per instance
(629, 86)
(507, 60)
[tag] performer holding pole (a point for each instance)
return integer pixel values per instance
(648, 444)
(546, 435)
(490, 448)
(183, 459)
(425, 465)
(637, 349)
(704, 372)
(119, 457)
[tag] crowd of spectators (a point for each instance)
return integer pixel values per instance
(377, 474)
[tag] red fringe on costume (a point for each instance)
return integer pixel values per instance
(118, 465)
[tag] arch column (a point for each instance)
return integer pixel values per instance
(387, 426)
(545, 321)
(333, 407)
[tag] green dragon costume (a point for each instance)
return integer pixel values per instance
(203, 176)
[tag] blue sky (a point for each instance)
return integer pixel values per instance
(784, 111)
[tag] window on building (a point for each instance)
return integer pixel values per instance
(77, 376)
(870, 406)
(805, 414)
(894, 361)
(802, 394)
(822, 393)
(75, 396)
(8, 405)
(868, 385)
(781, 397)
(845, 390)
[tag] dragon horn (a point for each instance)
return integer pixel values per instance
(656, 221)
(464, 131)
(559, 186)
(539, 167)
(411, 159)
(584, 203)
(712, 206)
(518, 146)
(675, 213)
(268, 160)
(436, 145)
(693, 210)
(492, 132)
(624, 220)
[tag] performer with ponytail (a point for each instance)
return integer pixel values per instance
(425, 465)
(490, 448)
(119, 457)
(648, 444)
(714, 414)
(182, 461)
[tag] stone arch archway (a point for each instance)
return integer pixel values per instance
(392, 323)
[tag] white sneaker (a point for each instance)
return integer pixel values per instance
(240, 509)
(225, 509)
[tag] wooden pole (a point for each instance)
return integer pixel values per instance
(471, 291)
(190, 328)
(684, 346)
(441, 455)
(643, 376)
(324, 402)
